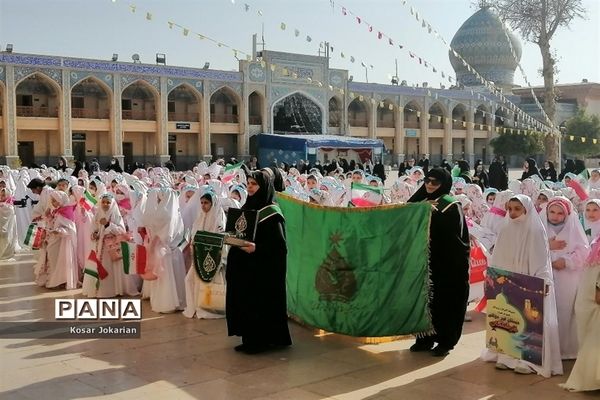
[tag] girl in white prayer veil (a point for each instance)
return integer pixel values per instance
(568, 252)
(586, 371)
(97, 188)
(211, 218)
(58, 264)
(108, 224)
(84, 219)
(496, 216)
(8, 226)
(22, 210)
(239, 193)
(522, 247)
(591, 219)
(164, 225)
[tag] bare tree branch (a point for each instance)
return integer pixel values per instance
(537, 21)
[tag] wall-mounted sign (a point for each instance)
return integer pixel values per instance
(78, 136)
(182, 125)
(410, 132)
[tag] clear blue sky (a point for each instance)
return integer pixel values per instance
(99, 28)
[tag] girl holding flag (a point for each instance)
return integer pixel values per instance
(8, 225)
(58, 263)
(84, 219)
(104, 277)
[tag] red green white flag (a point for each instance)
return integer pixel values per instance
(87, 201)
(34, 236)
(134, 258)
(230, 172)
(366, 195)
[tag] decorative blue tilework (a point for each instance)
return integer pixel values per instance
(53, 74)
(172, 83)
(23, 59)
(256, 73)
(78, 76)
(337, 79)
(128, 68)
(2, 74)
(151, 80)
(214, 86)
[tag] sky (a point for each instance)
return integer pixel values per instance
(98, 28)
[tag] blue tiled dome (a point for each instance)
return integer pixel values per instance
(482, 42)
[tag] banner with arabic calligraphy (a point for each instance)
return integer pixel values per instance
(515, 318)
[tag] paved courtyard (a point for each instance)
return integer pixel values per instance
(179, 358)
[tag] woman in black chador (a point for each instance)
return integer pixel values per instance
(256, 306)
(448, 263)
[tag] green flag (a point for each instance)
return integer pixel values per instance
(357, 271)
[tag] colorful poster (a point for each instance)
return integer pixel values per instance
(515, 321)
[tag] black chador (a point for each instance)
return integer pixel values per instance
(256, 293)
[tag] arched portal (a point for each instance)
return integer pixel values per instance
(297, 113)
(224, 106)
(184, 104)
(255, 107)
(138, 101)
(40, 141)
(90, 99)
(459, 117)
(385, 114)
(37, 96)
(335, 112)
(358, 113)
(437, 116)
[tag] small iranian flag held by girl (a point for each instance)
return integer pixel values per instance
(230, 172)
(96, 272)
(134, 258)
(365, 195)
(87, 201)
(34, 236)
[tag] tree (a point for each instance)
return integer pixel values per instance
(580, 126)
(519, 145)
(537, 21)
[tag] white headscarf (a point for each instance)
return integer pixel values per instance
(522, 244)
(495, 217)
(113, 215)
(100, 189)
(401, 191)
(479, 206)
(571, 231)
(162, 216)
(591, 229)
(242, 191)
(212, 221)
(514, 186)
